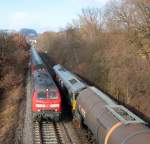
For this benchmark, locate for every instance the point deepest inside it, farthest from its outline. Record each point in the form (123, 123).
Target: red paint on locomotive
(40, 103)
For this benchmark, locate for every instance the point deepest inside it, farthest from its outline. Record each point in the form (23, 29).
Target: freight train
(46, 98)
(109, 122)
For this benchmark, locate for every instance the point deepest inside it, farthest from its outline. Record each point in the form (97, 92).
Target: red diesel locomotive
(46, 98)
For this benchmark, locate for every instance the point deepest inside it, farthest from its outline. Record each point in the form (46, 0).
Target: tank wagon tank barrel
(109, 122)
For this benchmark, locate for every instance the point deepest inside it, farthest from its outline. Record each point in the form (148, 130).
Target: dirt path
(27, 131)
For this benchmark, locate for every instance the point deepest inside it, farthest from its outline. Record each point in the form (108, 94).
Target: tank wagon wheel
(88, 134)
(90, 137)
(77, 120)
(77, 123)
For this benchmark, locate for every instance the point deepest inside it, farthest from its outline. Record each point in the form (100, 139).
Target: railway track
(57, 133)
(61, 132)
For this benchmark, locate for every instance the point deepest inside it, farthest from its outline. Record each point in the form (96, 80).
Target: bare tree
(91, 21)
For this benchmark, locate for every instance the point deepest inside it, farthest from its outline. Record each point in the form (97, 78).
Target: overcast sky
(42, 15)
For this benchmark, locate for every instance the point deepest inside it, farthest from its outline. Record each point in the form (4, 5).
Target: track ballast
(58, 133)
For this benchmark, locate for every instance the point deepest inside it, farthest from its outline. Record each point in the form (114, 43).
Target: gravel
(27, 131)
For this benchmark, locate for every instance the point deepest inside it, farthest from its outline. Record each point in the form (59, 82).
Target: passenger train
(109, 122)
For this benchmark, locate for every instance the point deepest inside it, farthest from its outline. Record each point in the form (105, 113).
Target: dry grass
(9, 114)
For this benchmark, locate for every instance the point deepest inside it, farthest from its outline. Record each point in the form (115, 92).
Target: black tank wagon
(109, 122)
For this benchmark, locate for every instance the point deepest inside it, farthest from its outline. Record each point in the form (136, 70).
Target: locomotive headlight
(40, 105)
(54, 105)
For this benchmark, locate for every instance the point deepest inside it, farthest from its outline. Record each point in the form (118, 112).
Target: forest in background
(110, 47)
(14, 56)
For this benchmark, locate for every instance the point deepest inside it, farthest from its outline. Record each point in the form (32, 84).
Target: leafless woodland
(110, 47)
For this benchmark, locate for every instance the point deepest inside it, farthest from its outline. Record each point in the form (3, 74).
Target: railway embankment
(27, 124)
(13, 67)
(10, 115)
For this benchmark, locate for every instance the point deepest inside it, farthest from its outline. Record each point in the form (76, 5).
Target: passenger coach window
(41, 95)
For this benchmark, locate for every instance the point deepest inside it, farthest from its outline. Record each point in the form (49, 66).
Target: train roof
(43, 80)
(94, 97)
(103, 96)
(70, 80)
(36, 59)
(118, 110)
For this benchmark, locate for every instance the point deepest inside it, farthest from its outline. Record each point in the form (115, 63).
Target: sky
(42, 15)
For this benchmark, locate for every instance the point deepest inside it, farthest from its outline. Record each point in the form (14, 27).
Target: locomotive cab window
(52, 95)
(41, 95)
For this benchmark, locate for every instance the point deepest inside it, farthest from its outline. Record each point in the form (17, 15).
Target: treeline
(110, 47)
(14, 58)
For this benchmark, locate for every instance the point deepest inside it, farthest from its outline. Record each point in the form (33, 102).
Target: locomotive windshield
(47, 94)
(52, 95)
(41, 95)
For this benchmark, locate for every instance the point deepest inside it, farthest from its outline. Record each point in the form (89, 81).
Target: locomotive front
(46, 98)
